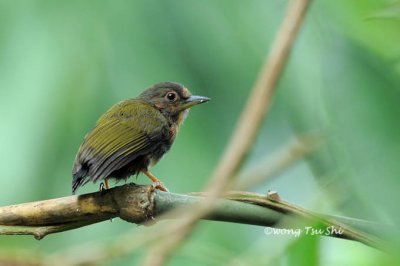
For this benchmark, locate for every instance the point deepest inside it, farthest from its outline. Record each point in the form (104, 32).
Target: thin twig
(41, 231)
(246, 130)
(338, 223)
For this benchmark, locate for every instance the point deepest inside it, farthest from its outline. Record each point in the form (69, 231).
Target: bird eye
(171, 96)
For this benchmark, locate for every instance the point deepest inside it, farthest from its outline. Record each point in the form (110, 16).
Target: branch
(139, 204)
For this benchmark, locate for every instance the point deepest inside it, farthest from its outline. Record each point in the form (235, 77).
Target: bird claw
(159, 185)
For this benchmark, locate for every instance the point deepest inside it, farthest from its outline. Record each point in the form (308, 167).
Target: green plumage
(132, 135)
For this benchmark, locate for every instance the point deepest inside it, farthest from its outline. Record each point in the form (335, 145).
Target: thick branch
(130, 202)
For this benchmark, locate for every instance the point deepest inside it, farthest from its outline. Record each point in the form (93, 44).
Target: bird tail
(79, 174)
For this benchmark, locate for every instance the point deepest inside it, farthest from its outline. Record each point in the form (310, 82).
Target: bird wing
(123, 133)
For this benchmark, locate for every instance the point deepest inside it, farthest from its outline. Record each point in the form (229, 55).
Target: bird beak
(194, 100)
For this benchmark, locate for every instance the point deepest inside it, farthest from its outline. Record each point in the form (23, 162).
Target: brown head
(172, 99)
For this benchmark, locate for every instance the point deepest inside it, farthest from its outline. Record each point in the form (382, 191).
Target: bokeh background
(63, 63)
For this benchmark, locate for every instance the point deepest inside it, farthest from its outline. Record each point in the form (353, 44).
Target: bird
(133, 135)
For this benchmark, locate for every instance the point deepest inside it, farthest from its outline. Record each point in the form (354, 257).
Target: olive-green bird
(133, 135)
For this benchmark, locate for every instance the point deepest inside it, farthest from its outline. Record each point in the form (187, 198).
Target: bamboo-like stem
(246, 130)
(259, 100)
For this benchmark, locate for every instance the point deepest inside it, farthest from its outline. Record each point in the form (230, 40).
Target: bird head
(172, 99)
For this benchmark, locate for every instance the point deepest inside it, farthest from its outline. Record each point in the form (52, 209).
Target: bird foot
(159, 185)
(104, 185)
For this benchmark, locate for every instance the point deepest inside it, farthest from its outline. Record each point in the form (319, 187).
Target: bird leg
(156, 182)
(104, 185)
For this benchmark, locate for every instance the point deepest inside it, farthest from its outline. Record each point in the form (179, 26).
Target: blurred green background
(63, 63)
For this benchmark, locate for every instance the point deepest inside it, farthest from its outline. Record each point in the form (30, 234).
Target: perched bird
(133, 135)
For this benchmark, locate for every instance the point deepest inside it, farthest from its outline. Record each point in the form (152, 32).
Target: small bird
(133, 135)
